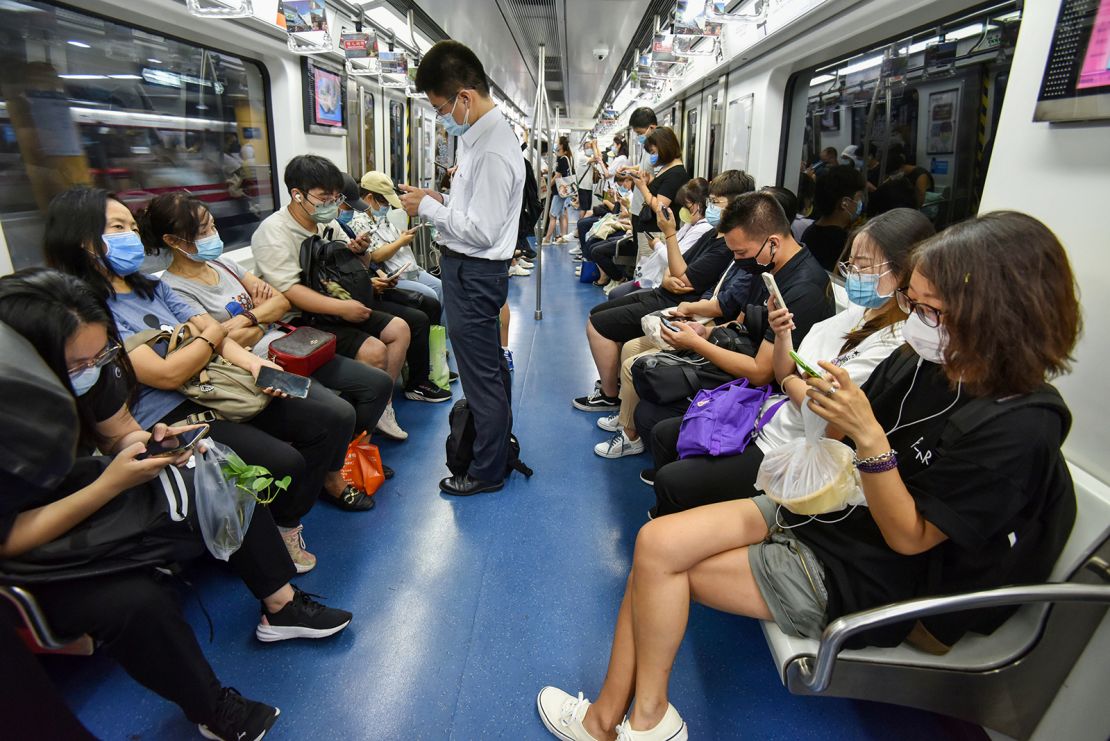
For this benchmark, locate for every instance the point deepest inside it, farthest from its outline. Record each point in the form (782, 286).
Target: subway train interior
(461, 609)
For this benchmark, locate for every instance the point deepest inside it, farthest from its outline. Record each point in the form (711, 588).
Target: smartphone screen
(666, 323)
(289, 383)
(178, 444)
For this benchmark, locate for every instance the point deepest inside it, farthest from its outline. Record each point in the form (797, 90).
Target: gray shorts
(790, 578)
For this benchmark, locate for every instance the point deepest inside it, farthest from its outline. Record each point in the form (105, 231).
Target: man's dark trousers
(474, 292)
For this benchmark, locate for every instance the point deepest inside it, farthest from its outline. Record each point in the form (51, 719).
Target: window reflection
(85, 100)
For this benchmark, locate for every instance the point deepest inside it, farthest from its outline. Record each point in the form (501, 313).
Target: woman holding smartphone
(126, 607)
(939, 517)
(94, 237)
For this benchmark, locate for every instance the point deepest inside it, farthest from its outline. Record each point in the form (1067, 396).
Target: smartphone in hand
(288, 383)
(808, 369)
(181, 442)
(773, 289)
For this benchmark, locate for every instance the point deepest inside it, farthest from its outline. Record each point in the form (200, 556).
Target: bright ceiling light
(83, 77)
(202, 107)
(152, 60)
(79, 44)
(126, 77)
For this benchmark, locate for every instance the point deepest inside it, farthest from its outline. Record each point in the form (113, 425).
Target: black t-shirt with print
(826, 243)
(968, 492)
(664, 184)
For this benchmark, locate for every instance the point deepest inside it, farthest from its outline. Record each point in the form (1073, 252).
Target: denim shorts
(790, 578)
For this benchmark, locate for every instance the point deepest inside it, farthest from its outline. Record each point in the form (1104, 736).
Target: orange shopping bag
(363, 466)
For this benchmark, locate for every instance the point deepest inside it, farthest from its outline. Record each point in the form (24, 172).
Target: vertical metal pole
(540, 120)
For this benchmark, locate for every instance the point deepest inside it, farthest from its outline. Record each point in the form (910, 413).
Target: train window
(691, 140)
(87, 100)
(368, 160)
(917, 114)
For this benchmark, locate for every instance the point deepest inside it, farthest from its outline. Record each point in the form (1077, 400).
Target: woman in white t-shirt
(857, 340)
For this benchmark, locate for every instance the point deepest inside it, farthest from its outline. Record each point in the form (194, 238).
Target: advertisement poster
(303, 16)
(360, 45)
(329, 98)
(942, 122)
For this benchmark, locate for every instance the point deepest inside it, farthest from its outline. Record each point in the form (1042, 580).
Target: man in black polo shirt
(755, 228)
(613, 323)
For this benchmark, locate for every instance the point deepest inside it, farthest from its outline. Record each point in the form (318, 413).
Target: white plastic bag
(813, 475)
(224, 509)
(651, 269)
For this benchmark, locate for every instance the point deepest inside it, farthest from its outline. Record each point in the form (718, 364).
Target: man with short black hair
(755, 229)
(478, 227)
(643, 122)
(376, 338)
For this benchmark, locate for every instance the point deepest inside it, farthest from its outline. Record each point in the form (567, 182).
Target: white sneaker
(525, 264)
(671, 728)
(610, 423)
(388, 426)
(562, 714)
(578, 272)
(517, 270)
(574, 250)
(619, 446)
(608, 288)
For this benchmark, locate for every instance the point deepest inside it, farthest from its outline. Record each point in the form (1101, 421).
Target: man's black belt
(448, 252)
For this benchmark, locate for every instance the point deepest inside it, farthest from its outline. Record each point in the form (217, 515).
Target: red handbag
(303, 350)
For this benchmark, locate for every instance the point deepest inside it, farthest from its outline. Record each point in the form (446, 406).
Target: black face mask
(752, 264)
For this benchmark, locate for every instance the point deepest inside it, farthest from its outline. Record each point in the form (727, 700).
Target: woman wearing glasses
(93, 540)
(857, 339)
(94, 237)
(937, 517)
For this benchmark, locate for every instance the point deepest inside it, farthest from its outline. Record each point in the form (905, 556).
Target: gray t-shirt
(220, 300)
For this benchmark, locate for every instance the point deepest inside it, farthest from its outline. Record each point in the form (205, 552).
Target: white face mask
(928, 342)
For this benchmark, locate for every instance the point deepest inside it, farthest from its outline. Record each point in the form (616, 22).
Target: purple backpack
(722, 421)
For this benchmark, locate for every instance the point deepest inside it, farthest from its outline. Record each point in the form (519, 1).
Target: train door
(361, 129)
(691, 131)
(715, 106)
(396, 136)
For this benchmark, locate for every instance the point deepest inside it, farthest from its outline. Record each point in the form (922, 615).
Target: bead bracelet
(878, 463)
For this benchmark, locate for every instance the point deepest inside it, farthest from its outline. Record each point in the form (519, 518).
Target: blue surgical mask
(863, 290)
(209, 248)
(859, 209)
(345, 217)
(653, 158)
(125, 252)
(623, 192)
(453, 127)
(713, 213)
(381, 213)
(641, 139)
(84, 379)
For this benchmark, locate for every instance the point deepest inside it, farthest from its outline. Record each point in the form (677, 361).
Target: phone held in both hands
(181, 442)
(808, 369)
(666, 322)
(773, 289)
(288, 383)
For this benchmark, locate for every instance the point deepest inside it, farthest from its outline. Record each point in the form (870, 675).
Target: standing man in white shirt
(477, 226)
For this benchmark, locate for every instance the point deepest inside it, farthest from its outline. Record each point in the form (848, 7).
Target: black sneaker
(427, 391)
(239, 719)
(597, 402)
(452, 376)
(304, 617)
(648, 476)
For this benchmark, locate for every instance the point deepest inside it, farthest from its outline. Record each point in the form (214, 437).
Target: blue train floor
(465, 608)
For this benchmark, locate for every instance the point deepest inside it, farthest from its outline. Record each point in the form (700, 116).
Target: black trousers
(304, 439)
(603, 253)
(648, 414)
(584, 225)
(689, 483)
(418, 356)
(419, 301)
(619, 319)
(366, 389)
(474, 292)
(138, 620)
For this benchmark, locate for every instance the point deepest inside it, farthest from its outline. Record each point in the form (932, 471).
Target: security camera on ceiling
(601, 53)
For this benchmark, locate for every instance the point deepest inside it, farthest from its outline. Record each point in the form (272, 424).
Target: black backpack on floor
(460, 443)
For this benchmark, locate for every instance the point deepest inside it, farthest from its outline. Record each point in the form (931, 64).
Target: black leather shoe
(387, 472)
(351, 500)
(464, 486)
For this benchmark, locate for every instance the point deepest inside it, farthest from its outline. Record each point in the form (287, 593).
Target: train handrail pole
(541, 118)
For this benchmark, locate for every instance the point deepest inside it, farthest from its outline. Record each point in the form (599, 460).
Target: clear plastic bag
(224, 509)
(813, 475)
